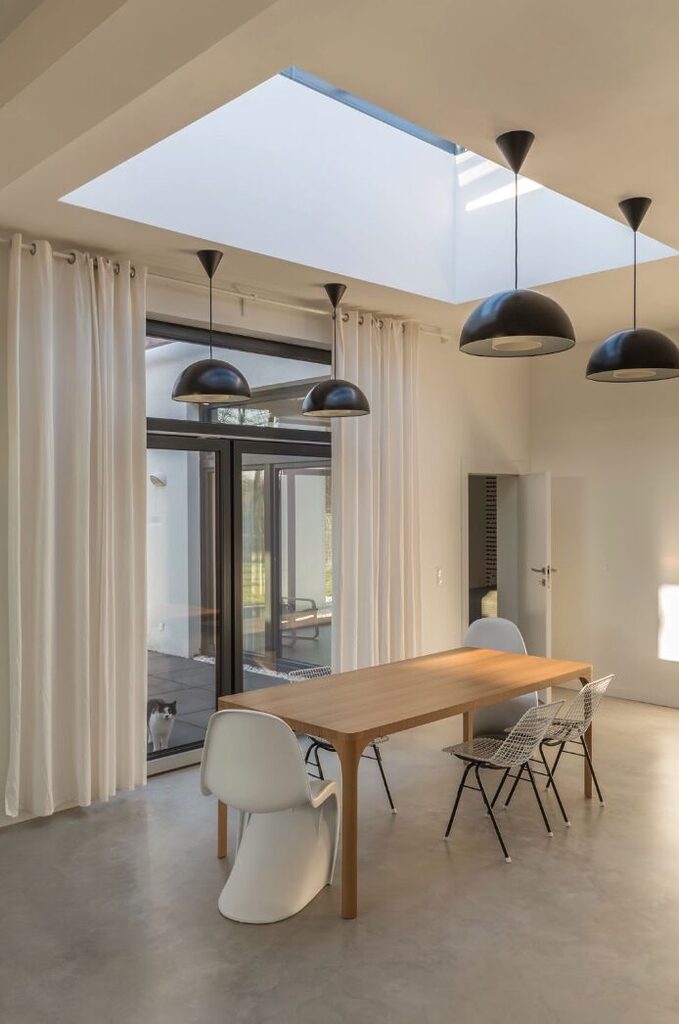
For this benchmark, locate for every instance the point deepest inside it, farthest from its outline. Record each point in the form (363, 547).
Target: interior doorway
(507, 553)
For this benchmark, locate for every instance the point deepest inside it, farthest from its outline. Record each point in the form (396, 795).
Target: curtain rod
(254, 297)
(249, 296)
(70, 257)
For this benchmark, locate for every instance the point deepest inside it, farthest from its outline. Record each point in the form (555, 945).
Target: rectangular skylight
(302, 171)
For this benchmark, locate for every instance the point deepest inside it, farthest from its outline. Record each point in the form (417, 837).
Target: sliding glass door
(184, 593)
(283, 543)
(239, 570)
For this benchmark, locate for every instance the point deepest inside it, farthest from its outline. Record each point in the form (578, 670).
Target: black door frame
(241, 447)
(229, 445)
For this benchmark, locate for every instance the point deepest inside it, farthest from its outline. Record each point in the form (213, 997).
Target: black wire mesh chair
(498, 754)
(316, 672)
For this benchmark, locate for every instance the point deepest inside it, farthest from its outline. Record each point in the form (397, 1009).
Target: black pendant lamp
(211, 381)
(517, 322)
(639, 354)
(335, 397)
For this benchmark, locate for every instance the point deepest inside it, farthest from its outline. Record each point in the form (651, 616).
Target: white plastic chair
(288, 843)
(498, 635)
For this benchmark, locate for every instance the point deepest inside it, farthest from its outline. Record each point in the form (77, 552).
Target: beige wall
(4, 608)
(474, 417)
(613, 451)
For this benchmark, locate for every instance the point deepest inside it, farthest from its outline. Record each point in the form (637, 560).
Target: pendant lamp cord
(634, 303)
(516, 230)
(333, 356)
(210, 290)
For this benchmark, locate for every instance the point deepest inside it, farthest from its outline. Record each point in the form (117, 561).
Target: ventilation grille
(491, 531)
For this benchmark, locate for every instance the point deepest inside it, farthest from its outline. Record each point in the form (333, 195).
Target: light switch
(439, 577)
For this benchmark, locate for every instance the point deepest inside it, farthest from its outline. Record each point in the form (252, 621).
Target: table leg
(349, 756)
(221, 829)
(468, 726)
(587, 782)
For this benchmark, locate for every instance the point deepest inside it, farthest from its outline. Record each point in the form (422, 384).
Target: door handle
(545, 571)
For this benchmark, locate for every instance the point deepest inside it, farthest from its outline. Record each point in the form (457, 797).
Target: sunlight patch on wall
(668, 622)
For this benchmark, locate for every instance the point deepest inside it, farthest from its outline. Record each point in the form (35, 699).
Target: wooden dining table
(351, 709)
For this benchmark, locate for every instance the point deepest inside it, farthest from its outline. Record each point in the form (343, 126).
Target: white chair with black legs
(290, 823)
(316, 744)
(496, 754)
(498, 635)
(571, 727)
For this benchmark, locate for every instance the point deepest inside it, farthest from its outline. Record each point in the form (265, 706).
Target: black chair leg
(499, 788)
(458, 798)
(516, 782)
(318, 764)
(552, 783)
(492, 816)
(537, 797)
(378, 758)
(591, 768)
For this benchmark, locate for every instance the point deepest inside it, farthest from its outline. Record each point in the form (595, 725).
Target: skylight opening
(371, 110)
(501, 195)
(304, 172)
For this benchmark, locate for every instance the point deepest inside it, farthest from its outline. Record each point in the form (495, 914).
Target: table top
(370, 702)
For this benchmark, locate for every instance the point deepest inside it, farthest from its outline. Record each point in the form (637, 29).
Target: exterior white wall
(171, 566)
(612, 452)
(310, 538)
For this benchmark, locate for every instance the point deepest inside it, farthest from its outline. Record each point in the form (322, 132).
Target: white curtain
(77, 526)
(376, 585)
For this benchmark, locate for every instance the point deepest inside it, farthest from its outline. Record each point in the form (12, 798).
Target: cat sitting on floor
(160, 716)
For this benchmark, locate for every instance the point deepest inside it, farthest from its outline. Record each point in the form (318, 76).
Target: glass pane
(287, 566)
(278, 386)
(182, 604)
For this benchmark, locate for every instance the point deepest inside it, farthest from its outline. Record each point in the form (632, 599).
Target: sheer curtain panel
(376, 584)
(77, 595)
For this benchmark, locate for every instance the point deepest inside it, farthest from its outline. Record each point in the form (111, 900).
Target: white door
(534, 568)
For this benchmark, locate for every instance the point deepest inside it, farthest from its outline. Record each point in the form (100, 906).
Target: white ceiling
(597, 83)
(13, 12)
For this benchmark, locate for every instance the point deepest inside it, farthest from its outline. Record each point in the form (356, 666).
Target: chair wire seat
(571, 727)
(318, 743)
(515, 750)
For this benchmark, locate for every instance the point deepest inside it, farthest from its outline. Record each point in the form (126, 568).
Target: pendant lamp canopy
(638, 353)
(335, 397)
(211, 381)
(518, 322)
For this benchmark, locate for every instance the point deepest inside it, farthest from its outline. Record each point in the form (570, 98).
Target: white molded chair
(499, 635)
(288, 843)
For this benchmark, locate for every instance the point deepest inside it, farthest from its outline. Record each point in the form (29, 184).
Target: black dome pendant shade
(335, 397)
(518, 322)
(211, 381)
(640, 353)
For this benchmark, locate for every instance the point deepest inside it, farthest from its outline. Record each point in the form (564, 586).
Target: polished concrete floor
(110, 914)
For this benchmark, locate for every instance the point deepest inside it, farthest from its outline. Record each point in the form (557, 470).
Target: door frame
(254, 447)
(228, 444)
(477, 467)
